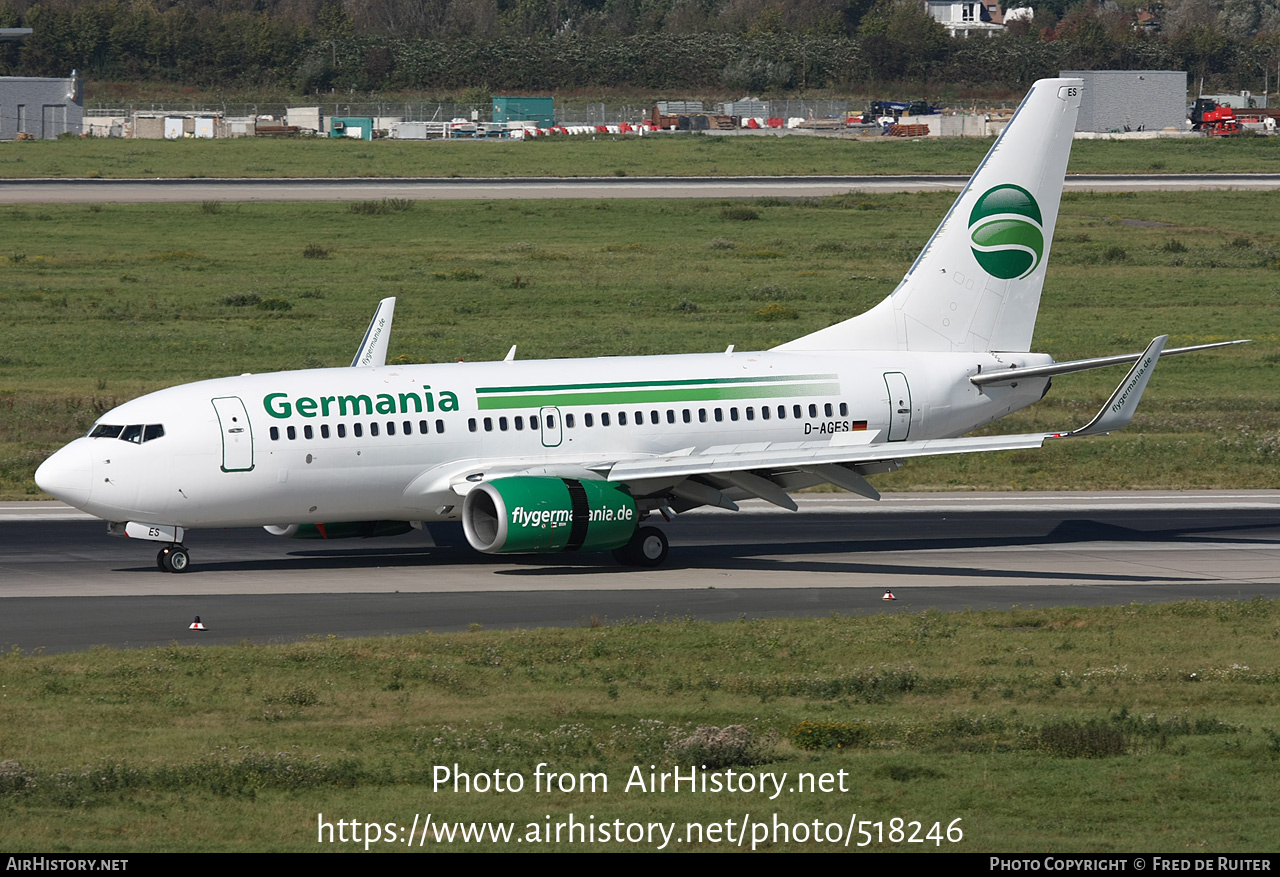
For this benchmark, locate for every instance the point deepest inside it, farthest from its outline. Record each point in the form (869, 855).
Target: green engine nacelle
(527, 514)
(342, 530)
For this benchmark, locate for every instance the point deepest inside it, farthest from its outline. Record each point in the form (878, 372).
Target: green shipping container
(359, 127)
(538, 110)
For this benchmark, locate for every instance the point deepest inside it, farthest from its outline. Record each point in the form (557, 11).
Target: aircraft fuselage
(403, 442)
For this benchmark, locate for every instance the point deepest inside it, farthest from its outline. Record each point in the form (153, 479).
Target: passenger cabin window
(588, 420)
(342, 430)
(275, 433)
(568, 421)
(308, 432)
(604, 418)
(373, 430)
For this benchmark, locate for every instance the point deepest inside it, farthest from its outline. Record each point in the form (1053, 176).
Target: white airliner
(573, 455)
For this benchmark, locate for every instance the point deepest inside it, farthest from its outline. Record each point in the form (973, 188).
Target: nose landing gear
(173, 558)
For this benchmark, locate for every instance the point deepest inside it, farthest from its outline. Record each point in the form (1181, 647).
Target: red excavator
(1218, 120)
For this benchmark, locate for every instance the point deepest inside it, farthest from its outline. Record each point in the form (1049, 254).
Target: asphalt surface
(66, 586)
(362, 189)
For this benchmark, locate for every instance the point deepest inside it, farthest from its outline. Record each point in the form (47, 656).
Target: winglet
(373, 349)
(1119, 409)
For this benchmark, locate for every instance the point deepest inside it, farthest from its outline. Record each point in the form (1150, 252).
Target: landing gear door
(237, 434)
(549, 422)
(899, 406)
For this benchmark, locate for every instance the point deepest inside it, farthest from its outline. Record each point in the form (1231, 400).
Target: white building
(965, 17)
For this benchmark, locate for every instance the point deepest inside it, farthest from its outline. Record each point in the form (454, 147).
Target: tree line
(724, 46)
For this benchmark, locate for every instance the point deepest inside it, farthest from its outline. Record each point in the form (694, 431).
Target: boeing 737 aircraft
(575, 455)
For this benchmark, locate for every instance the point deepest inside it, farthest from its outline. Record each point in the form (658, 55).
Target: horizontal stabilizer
(1008, 376)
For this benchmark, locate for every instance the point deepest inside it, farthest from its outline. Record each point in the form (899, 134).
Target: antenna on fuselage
(373, 349)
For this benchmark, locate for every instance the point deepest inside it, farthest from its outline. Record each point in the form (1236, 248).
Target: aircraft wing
(750, 467)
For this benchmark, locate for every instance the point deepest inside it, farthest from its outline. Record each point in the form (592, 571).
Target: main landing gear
(173, 558)
(648, 547)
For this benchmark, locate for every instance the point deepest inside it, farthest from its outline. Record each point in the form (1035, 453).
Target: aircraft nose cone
(68, 474)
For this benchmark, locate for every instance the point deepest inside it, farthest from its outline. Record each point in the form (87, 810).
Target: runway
(55, 191)
(66, 586)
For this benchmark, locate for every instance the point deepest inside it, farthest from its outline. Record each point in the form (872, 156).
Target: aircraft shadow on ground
(773, 556)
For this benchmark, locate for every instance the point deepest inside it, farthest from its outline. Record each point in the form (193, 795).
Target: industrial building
(36, 108)
(1131, 100)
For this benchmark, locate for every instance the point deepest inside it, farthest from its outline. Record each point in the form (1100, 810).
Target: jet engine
(526, 514)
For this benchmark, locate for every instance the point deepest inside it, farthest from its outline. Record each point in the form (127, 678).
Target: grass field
(1134, 728)
(604, 156)
(104, 302)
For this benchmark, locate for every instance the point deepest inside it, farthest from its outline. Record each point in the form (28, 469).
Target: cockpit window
(136, 433)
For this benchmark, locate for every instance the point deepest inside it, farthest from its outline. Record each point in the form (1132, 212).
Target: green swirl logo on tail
(1007, 232)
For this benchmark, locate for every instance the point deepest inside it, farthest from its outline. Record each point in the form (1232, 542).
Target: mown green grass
(100, 303)
(1130, 728)
(602, 156)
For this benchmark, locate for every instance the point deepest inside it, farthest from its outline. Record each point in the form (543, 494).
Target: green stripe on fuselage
(618, 385)
(682, 394)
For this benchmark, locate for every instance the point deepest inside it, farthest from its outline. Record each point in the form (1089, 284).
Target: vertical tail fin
(976, 284)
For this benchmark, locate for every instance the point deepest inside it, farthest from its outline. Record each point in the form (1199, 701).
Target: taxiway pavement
(65, 585)
(54, 191)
